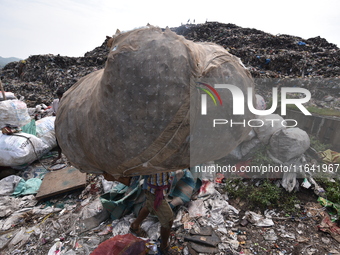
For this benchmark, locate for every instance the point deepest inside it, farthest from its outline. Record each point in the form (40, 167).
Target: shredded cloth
(159, 195)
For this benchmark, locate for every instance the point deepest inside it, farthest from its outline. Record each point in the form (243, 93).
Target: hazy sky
(73, 27)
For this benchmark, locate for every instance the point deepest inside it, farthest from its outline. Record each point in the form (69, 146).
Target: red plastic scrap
(330, 227)
(122, 245)
(219, 178)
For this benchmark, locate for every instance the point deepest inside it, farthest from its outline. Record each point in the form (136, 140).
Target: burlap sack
(133, 117)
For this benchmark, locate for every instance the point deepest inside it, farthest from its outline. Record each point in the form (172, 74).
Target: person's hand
(124, 180)
(109, 177)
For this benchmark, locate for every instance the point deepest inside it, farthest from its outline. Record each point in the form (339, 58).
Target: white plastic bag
(20, 148)
(267, 125)
(289, 143)
(8, 95)
(8, 184)
(14, 112)
(45, 131)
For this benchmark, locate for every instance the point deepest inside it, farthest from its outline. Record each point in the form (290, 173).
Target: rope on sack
(35, 152)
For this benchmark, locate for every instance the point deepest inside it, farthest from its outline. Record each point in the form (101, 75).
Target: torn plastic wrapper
(196, 208)
(258, 220)
(152, 227)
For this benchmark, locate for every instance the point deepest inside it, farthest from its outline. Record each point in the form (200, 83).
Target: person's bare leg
(165, 234)
(59, 155)
(143, 213)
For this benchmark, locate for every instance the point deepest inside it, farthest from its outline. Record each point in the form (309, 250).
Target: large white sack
(289, 143)
(142, 114)
(17, 150)
(14, 112)
(8, 95)
(244, 150)
(45, 131)
(271, 124)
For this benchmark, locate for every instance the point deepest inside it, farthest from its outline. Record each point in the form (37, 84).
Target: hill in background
(5, 61)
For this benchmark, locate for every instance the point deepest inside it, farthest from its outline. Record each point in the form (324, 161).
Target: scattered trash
(270, 235)
(289, 181)
(204, 243)
(306, 184)
(334, 209)
(329, 156)
(196, 208)
(31, 186)
(8, 184)
(258, 220)
(330, 227)
(207, 189)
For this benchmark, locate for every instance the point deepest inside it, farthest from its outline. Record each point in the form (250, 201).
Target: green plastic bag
(122, 200)
(334, 207)
(31, 186)
(30, 128)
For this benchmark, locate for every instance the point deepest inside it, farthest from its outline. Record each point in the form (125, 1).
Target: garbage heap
(264, 54)
(268, 55)
(37, 77)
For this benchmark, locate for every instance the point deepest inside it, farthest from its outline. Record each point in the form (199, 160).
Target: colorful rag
(159, 195)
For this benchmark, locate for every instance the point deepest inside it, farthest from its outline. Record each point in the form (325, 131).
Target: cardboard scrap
(57, 182)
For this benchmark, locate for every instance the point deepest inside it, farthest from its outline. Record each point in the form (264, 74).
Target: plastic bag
(271, 124)
(21, 148)
(196, 208)
(13, 112)
(133, 98)
(289, 143)
(8, 95)
(258, 220)
(8, 184)
(121, 245)
(45, 131)
(31, 186)
(207, 189)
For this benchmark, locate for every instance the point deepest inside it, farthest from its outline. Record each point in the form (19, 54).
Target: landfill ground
(29, 226)
(60, 224)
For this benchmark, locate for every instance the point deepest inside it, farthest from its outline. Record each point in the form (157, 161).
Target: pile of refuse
(265, 55)
(37, 77)
(268, 55)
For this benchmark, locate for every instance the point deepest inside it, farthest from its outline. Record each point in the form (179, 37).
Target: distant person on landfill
(156, 187)
(55, 106)
(55, 103)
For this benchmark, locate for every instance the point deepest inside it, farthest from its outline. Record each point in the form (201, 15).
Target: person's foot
(167, 251)
(137, 231)
(55, 160)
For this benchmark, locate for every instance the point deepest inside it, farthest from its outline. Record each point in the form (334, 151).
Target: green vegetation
(332, 189)
(317, 145)
(261, 157)
(264, 196)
